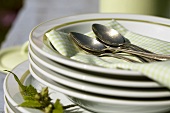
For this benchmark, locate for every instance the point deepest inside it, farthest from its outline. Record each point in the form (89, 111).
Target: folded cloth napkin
(158, 71)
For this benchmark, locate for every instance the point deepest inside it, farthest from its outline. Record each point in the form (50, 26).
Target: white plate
(98, 103)
(146, 25)
(140, 82)
(11, 109)
(5, 109)
(12, 91)
(40, 70)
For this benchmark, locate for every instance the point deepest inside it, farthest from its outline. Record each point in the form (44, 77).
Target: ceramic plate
(11, 109)
(12, 92)
(40, 70)
(98, 103)
(7, 56)
(5, 109)
(146, 25)
(136, 82)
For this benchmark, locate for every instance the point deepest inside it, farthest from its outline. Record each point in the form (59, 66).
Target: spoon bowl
(87, 43)
(111, 37)
(108, 36)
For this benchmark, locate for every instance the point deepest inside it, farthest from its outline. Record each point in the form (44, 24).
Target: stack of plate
(94, 88)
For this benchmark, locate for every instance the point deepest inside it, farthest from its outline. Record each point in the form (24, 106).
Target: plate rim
(98, 90)
(95, 98)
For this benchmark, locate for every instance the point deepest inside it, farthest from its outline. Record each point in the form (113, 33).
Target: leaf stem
(16, 78)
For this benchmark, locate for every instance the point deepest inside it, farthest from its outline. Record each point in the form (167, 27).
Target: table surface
(35, 12)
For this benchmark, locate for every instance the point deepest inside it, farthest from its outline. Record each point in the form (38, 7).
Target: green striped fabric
(158, 71)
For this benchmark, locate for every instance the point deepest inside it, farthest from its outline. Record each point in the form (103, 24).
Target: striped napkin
(158, 71)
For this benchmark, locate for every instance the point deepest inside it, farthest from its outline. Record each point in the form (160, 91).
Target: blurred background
(8, 12)
(25, 14)
(146, 7)
(19, 17)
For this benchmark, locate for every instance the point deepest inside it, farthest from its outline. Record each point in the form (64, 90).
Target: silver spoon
(113, 38)
(93, 45)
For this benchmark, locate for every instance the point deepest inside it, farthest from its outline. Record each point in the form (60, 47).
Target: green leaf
(58, 108)
(57, 111)
(17, 79)
(44, 92)
(41, 100)
(48, 109)
(31, 104)
(29, 98)
(26, 90)
(29, 91)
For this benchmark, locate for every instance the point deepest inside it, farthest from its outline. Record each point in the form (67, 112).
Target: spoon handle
(119, 57)
(139, 53)
(135, 47)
